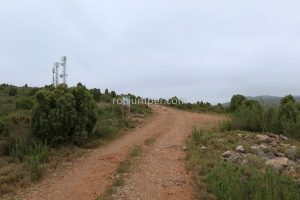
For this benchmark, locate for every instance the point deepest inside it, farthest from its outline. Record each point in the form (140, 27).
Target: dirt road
(161, 172)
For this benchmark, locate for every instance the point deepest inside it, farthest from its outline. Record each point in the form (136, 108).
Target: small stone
(203, 147)
(184, 148)
(283, 137)
(263, 146)
(267, 156)
(273, 144)
(227, 154)
(278, 163)
(240, 135)
(263, 138)
(256, 150)
(291, 153)
(244, 162)
(235, 157)
(240, 149)
(278, 154)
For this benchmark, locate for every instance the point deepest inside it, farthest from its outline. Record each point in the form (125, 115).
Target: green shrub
(96, 93)
(12, 91)
(64, 115)
(229, 181)
(24, 103)
(6, 108)
(4, 127)
(140, 109)
(225, 126)
(270, 122)
(22, 148)
(34, 168)
(236, 102)
(248, 116)
(20, 117)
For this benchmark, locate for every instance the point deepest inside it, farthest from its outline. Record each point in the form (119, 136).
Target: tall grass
(229, 181)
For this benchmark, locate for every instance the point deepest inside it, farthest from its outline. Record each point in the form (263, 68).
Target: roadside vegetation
(253, 155)
(199, 106)
(250, 115)
(42, 127)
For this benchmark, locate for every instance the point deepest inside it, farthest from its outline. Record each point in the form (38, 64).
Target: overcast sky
(195, 49)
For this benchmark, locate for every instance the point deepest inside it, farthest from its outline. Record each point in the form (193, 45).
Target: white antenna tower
(53, 75)
(64, 72)
(56, 72)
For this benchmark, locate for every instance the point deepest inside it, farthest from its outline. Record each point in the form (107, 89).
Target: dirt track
(161, 173)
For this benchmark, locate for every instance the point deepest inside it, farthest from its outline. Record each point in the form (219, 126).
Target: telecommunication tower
(53, 75)
(64, 71)
(56, 74)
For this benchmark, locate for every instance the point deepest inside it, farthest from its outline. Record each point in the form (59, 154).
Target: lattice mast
(53, 75)
(56, 72)
(64, 71)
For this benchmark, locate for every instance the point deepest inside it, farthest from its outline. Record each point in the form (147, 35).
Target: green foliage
(6, 108)
(64, 115)
(140, 109)
(24, 103)
(38, 156)
(19, 117)
(194, 107)
(251, 116)
(236, 101)
(4, 127)
(12, 91)
(230, 181)
(270, 122)
(225, 126)
(34, 168)
(248, 116)
(113, 94)
(287, 99)
(22, 147)
(96, 94)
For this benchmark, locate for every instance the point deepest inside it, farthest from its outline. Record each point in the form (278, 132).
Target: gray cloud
(199, 50)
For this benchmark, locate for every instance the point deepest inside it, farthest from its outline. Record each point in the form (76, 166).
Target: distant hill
(267, 99)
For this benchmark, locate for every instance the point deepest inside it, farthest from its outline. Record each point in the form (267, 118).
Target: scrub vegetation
(252, 155)
(42, 127)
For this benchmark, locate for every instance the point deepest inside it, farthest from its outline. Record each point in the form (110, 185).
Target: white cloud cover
(198, 50)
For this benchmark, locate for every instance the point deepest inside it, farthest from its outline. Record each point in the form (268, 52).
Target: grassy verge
(122, 172)
(218, 179)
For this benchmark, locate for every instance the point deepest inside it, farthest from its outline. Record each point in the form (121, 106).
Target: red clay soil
(161, 172)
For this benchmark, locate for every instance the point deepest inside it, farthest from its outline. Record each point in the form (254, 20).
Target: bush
(270, 121)
(24, 103)
(21, 148)
(6, 108)
(236, 102)
(225, 126)
(34, 168)
(4, 127)
(96, 94)
(64, 115)
(20, 117)
(12, 91)
(230, 181)
(248, 116)
(251, 116)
